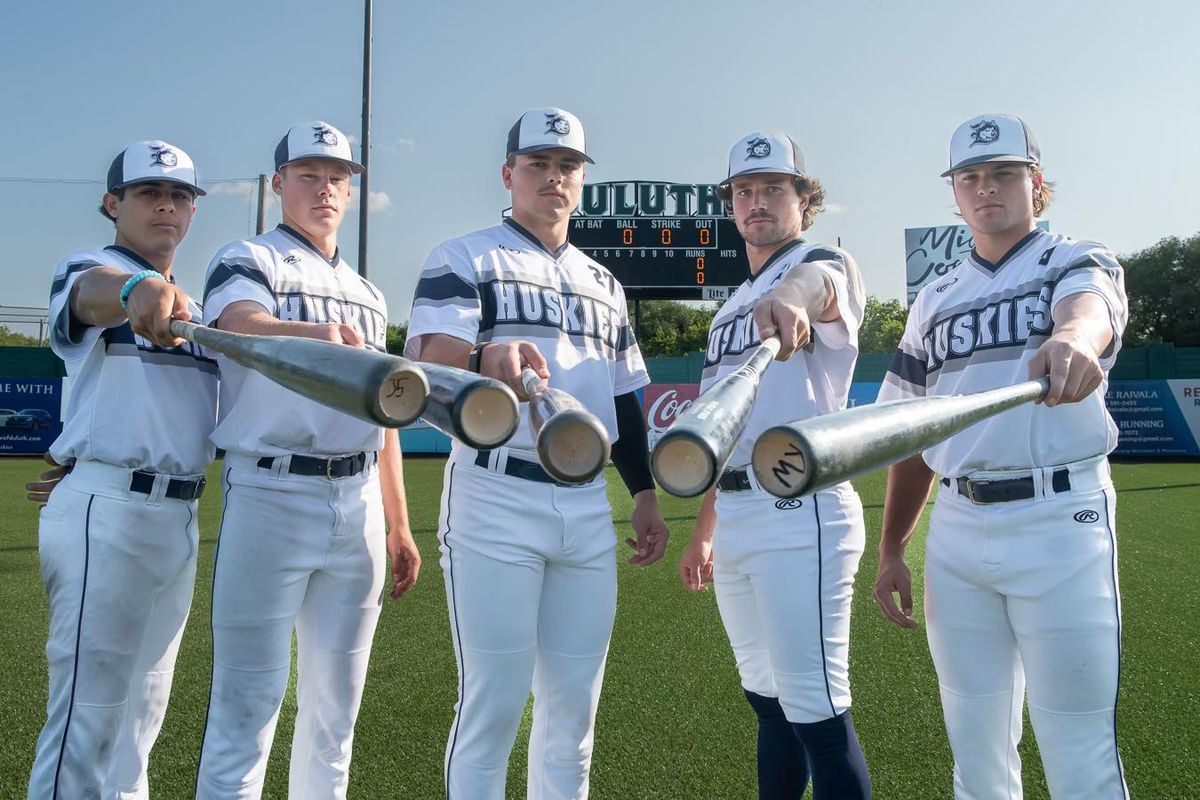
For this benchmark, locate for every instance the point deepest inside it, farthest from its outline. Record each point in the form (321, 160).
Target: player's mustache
(760, 215)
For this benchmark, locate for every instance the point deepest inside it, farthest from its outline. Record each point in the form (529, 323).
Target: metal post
(262, 204)
(364, 181)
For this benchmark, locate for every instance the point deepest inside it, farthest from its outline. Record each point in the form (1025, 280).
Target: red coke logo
(665, 402)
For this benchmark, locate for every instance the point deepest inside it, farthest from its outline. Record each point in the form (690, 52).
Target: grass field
(672, 721)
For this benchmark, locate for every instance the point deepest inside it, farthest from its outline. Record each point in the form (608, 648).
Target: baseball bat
(375, 387)
(572, 444)
(808, 455)
(479, 411)
(690, 456)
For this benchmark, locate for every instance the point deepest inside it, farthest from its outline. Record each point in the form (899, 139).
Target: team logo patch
(788, 503)
(163, 157)
(1087, 516)
(557, 123)
(323, 134)
(758, 148)
(984, 132)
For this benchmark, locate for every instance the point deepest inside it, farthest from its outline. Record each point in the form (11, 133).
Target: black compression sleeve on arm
(631, 452)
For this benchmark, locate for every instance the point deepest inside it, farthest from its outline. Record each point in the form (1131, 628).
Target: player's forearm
(96, 297)
(706, 517)
(391, 481)
(441, 348)
(807, 286)
(1083, 317)
(257, 322)
(908, 486)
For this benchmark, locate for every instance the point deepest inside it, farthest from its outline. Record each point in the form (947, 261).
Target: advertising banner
(30, 414)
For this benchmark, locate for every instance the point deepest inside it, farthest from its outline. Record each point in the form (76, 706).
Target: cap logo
(984, 132)
(758, 148)
(163, 157)
(557, 123)
(323, 134)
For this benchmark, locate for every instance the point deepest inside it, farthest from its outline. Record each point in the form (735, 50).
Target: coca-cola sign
(664, 402)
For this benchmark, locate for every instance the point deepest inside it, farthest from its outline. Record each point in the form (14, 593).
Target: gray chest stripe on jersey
(449, 286)
(160, 357)
(235, 269)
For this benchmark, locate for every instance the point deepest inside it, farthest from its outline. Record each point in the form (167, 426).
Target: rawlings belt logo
(1087, 517)
(788, 503)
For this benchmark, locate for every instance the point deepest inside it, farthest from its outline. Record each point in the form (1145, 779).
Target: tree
(11, 338)
(671, 328)
(1163, 286)
(883, 325)
(397, 335)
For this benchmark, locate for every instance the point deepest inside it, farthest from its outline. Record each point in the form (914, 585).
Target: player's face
(152, 218)
(766, 208)
(314, 193)
(545, 185)
(995, 198)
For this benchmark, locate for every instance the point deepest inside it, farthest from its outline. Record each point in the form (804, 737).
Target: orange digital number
(665, 236)
(699, 278)
(627, 236)
(705, 236)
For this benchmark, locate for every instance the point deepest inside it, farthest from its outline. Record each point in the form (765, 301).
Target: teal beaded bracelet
(133, 281)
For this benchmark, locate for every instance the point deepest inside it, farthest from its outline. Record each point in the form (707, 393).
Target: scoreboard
(661, 240)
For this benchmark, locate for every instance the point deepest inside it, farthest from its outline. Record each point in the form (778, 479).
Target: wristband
(134, 281)
(475, 357)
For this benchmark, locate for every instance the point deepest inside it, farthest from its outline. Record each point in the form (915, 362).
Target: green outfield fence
(1157, 362)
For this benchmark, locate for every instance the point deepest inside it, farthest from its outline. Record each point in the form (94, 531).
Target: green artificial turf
(672, 722)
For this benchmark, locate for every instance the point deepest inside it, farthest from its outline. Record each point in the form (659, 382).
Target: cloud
(406, 144)
(835, 209)
(379, 201)
(240, 188)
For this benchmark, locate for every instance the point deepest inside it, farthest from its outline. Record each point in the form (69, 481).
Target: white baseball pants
(119, 567)
(532, 590)
(1022, 597)
(784, 573)
(302, 552)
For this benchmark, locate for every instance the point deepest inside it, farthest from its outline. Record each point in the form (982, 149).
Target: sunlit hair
(1044, 193)
(805, 185)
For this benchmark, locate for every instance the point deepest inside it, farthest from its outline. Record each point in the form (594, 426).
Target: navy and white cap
(152, 161)
(765, 151)
(992, 137)
(315, 140)
(546, 129)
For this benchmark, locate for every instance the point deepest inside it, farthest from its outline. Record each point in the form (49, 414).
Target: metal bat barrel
(689, 457)
(375, 387)
(809, 455)
(477, 410)
(572, 444)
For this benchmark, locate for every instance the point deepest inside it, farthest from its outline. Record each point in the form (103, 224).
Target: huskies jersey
(815, 380)
(131, 403)
(289, 277)
(977, 327)
(501, 283)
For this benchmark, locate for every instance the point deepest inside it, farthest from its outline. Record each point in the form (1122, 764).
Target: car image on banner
(30, 415)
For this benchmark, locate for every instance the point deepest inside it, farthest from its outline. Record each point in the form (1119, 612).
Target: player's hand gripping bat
(572, 444)
(375, 387)
(689, 457)
(809, 455)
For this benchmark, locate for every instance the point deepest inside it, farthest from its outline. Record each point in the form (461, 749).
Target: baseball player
(784, 570)
(1021, 558)
(118, 537)
(528, 563)
(314, 498)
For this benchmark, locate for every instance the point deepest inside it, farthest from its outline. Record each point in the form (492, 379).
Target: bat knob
(573, 446)
(487, 415)
(780, 463)
(402, 395)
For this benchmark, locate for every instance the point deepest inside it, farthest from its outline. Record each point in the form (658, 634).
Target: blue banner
(30, 414)
(1156, 418)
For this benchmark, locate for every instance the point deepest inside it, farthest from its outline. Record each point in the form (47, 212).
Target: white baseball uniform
(529, 565)
(1021, 582)
(118, 541)
(302, 540)
(784, 570)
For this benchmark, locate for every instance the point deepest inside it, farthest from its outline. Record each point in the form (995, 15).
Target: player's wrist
(132, 283)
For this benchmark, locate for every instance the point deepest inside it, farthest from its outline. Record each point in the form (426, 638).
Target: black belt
(734, 480)
(984, 492)
(520, 468)
(177, 488)
(335, 467)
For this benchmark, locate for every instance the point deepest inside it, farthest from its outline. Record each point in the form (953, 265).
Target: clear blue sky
(871, 90)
